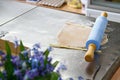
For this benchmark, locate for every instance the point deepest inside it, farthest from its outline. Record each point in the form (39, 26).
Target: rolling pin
(95, 37)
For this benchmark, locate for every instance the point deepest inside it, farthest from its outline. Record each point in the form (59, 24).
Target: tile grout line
(19, 15)
(3, 33)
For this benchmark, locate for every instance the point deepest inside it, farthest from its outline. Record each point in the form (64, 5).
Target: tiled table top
(10, 9)
(42, 25)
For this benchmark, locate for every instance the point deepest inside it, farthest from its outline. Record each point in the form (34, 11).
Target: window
(111, 6)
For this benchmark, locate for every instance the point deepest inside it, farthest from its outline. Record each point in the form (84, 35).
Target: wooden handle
(89, 56)
(104, 14)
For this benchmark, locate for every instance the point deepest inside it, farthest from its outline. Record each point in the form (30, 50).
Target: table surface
(42, 25)
(7, 13)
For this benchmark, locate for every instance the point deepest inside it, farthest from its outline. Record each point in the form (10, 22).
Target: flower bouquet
(26, 64)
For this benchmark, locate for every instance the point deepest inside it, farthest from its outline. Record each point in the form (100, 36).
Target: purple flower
(17, 62)
(25, 52)
(50, 48)
(70, 78)
(35, 51)
(58, 70)
(34, 63)
(41, 66)
(41, 61)
(1, 64)
(27, 66)
(43, 73)
(4, 73)
(16, 42)
(49, 59)
(36, 46)
(18, 74)
(60, 78)
(35, 72)
(15, 59)
(49, 68)
(41, 58)
(63, 67)
(24, 65)
(13, 56)
(3, 57)
(80, 78)
(28, 75)
(31, 74)
(1, 53)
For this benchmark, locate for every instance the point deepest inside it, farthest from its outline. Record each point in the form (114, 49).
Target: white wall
(111, 16)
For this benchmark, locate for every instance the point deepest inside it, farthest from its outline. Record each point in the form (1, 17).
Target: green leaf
(28, 65)
(55, 63)
(54, 76)
(41, 78)
(46, 53)
(1, 76)
(8, 50)
(8, 64)
(45, 62)
(9, 69)
(21, 56)
(22, 48)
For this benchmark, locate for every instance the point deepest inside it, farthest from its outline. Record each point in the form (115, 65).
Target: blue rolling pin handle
(97, 32)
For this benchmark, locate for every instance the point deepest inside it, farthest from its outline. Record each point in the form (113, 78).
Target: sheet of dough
(74, 36)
